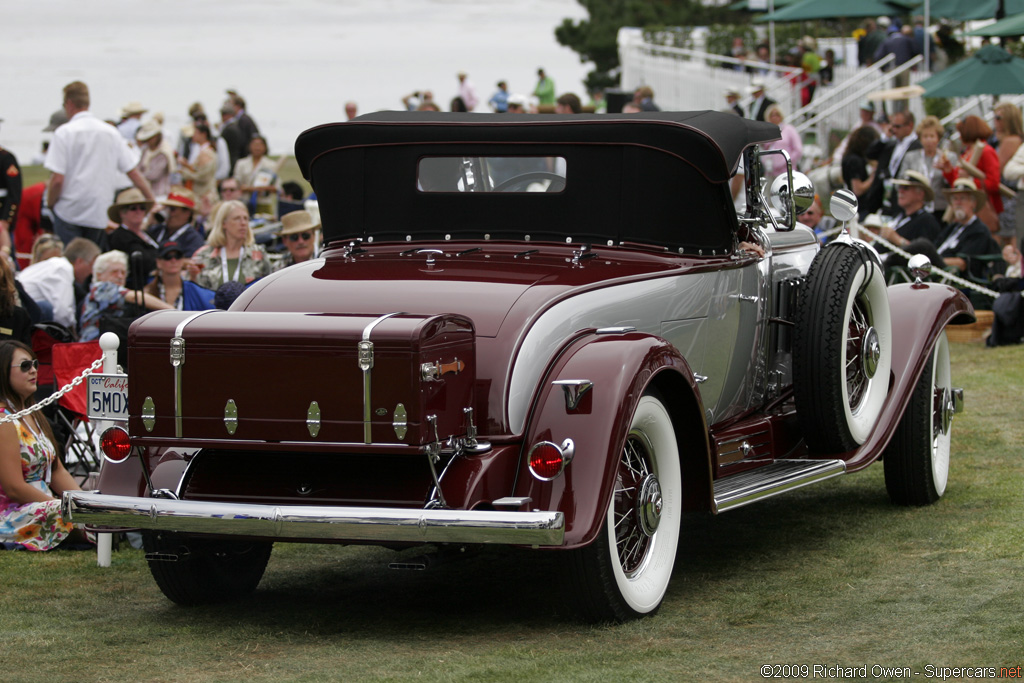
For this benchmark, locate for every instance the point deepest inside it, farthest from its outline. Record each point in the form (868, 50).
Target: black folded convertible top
(657, 178)
(712, 140)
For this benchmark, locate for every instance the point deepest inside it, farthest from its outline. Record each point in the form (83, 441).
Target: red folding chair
(81, 451)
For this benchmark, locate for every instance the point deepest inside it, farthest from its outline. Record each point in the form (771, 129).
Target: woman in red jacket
(973, 134)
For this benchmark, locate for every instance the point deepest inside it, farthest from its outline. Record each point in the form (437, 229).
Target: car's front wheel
(625, 572)
(917, 459)
(193, 571)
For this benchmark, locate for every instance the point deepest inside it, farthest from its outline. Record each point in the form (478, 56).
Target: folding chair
(78, 436)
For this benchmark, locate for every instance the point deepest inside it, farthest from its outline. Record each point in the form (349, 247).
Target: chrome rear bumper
(316, 522)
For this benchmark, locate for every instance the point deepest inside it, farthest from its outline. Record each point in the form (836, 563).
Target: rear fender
(920, 314)
(621, 369)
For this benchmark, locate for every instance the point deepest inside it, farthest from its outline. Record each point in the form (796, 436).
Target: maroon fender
(919, 315)
(621, 368)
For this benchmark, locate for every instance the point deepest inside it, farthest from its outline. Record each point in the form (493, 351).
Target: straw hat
(132, 195)
(917, 179)
(875, 220)
(150, 129)
(967, 186)
(132, 109)
(297, 221)
(180, 196)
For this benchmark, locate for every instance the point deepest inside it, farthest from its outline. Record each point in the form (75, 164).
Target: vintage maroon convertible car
(549, 332)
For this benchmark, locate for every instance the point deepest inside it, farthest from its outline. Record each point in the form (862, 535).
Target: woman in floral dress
(32, 478)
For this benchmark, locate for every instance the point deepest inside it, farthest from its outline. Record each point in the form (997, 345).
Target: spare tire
(842, 348)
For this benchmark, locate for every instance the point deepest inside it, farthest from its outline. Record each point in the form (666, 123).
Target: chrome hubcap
(946, 408)
(871, 352)
(649, 505)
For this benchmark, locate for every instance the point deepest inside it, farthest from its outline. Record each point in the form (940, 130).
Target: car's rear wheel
(842, 349)
(625, 572)
(917, 459)
(193, 571)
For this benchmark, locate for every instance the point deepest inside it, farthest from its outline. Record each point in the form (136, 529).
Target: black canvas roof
(656, 178)
(713, 141)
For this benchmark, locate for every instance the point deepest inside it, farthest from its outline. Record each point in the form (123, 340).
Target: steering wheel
(520, 182)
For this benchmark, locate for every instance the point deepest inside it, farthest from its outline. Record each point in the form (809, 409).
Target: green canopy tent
(989, 71)
(807, 10)
(1010, 26)
(969, 10)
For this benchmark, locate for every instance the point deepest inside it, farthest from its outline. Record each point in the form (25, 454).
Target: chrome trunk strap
(365, 359)
(177, 360)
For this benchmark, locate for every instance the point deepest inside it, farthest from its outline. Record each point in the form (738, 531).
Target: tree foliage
(594, 39)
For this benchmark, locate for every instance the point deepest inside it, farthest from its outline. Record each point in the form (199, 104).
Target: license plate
(108, 397)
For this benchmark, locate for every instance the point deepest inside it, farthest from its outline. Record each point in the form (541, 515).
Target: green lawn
(831, 575)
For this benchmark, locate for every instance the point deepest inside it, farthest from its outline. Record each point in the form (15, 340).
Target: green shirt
(545, 91)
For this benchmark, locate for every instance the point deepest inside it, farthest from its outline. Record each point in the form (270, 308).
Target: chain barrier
(55, 396)
(941, 273)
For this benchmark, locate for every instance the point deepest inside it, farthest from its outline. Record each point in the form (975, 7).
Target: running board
(771, 480)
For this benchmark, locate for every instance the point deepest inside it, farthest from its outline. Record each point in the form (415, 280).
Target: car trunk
(314, 381)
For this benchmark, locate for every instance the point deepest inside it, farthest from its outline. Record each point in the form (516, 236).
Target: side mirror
(920, 267)
(792, 198)
(843, 205)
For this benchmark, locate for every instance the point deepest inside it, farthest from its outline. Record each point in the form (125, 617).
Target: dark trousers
(68, 231)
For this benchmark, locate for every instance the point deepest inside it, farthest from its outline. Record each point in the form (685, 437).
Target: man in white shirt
(54, 280)
(89, 160)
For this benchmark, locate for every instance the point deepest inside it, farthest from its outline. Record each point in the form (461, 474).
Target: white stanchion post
(109, 343)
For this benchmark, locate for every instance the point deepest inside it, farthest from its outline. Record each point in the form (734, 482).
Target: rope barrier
(941, 273)
(55, 396)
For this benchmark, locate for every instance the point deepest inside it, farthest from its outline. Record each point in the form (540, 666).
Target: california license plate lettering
(108, 397)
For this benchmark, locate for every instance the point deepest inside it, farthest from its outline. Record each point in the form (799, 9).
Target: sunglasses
(173, 256)
(27, 365)
(295, 236)
(136, 207)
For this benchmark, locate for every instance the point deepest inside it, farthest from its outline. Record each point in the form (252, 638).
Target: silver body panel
(730, 307)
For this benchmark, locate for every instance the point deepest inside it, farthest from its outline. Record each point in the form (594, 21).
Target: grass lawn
(830, 575)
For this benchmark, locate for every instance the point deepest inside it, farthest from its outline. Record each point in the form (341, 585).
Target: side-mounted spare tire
(842, 348)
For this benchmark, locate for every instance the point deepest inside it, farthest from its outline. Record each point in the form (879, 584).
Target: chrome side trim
(545, 528)
(771, 480)
(365, 359)
(178, 360)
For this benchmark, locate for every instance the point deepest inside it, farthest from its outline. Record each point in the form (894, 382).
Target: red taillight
(546, 461)
(115, 444)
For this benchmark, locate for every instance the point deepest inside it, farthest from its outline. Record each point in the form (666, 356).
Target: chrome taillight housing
(548, 460)
(115, 444)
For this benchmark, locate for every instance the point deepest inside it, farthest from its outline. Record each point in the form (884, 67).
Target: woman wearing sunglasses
(129, 211)
(32, 478)
(171, 288)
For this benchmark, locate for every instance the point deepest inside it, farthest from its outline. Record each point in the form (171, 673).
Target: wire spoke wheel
(625, 572)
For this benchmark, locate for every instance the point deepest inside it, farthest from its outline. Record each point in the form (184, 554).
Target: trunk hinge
(178, 360)
(365, 360)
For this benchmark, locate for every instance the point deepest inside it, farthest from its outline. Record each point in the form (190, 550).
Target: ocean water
(295, 61)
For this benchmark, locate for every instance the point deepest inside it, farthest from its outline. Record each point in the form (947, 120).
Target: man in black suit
(913, 222)
(761, 101)
(965, 236)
